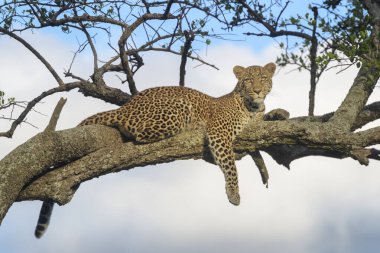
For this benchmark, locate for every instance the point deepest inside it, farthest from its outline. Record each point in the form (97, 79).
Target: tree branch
(93, 49)
(55, 116)
(123, 39)
(168, 6)
(272, 30)
(82, 18)
(313, 63)
(345, 116)
(105, 93)
(31, 104)
(364, 83)
(189, 37)
(82, 153)
(177, 53)
(369, 113)
(35, 52)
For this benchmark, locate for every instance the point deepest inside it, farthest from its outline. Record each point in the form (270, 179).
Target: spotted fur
(162, 112)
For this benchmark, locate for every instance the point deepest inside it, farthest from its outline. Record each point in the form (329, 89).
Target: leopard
(162, 112)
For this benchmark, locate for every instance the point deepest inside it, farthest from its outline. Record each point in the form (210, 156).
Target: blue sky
(321, 205)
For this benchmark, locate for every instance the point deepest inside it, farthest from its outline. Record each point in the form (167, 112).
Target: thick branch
(167, 10)
(58, 185)
(363, 85)
(55, 116)
(357, 97)
(83, 18)
(42, 152)
(105, 93)
(92, 151)
(369, 113)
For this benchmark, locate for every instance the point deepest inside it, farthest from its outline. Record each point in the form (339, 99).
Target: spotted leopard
(162, 112)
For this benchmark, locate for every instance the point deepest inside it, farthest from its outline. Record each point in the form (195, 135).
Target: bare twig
(24, 121)
(177, 53)
(93, 49)
(189, 37)
(272, 31)
(69, 74)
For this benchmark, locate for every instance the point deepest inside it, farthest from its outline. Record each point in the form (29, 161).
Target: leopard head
(254, 83)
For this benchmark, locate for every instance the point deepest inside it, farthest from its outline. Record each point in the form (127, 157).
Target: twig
(272, 30)
(177, 53)
(185, 51)
(24, 121)
(280, 14)
(90, 42)
(80, 49)
(93, 49)
(69, 74)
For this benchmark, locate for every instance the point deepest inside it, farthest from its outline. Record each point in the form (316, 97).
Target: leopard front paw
(277, 114)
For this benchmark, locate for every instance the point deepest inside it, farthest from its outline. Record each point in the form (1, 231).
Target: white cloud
(181, 206)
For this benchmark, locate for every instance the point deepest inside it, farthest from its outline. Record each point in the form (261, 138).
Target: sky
(321, 205)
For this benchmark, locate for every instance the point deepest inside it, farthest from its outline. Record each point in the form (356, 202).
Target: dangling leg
(221, 149)
(259, 161)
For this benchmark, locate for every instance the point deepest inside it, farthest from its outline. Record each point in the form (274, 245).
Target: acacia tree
(328, 35)
(63, 159)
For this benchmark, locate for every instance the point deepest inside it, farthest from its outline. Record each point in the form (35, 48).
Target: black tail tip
(40, 230)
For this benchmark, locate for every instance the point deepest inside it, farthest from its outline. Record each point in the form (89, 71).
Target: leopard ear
(238, 71)
(270, 67)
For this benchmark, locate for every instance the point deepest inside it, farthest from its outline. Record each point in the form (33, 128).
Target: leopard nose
(257, 89)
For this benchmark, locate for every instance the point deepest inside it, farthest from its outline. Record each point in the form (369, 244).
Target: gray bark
(51, 165)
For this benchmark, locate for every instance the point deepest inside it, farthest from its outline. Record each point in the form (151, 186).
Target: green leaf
(294, 21)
